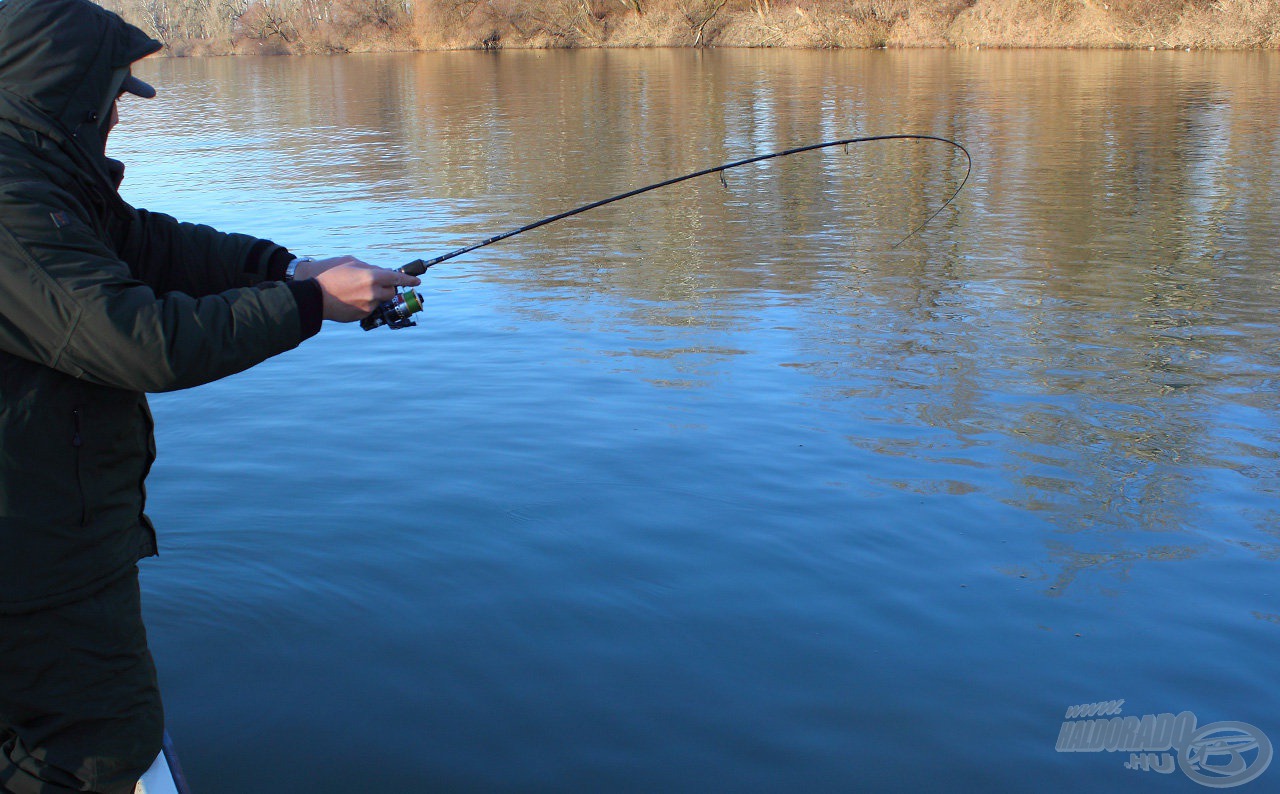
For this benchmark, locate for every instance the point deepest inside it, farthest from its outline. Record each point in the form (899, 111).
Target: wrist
(291, 271)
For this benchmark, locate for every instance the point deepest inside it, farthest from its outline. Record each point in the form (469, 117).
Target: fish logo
(1225, 754)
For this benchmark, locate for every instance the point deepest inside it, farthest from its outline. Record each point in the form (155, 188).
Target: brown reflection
(1269, 547)
(1070, 563)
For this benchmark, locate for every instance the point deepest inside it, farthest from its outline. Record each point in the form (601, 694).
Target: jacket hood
(64, 60)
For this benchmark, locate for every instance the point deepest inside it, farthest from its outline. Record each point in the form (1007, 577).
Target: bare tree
(266, 18)
(569, 21)
(700, 16)
(156, 18)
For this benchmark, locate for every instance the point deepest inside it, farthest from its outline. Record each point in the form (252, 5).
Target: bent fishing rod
(397, 312)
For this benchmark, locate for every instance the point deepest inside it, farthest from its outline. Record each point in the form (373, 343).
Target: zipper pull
(76, 440)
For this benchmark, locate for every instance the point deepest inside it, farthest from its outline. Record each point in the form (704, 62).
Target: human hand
(353, 289)
(315, 267)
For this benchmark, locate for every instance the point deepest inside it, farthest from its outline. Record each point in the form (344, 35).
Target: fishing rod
(397, 312)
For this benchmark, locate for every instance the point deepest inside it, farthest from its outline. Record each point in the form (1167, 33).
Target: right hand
(353, 289)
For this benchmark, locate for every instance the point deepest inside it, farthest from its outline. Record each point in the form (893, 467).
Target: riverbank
(203, 27)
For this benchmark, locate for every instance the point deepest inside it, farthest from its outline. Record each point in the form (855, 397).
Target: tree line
(195, 27)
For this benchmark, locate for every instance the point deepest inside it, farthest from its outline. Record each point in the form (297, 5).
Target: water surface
(715, 489)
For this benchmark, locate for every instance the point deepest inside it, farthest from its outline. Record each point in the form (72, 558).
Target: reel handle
(397, 313)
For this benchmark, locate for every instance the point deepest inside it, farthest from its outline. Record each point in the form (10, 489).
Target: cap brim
(136, 87)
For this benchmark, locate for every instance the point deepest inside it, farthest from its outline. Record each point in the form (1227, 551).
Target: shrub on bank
(192, 27)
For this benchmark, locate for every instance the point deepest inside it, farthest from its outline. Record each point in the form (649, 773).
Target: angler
(99, 303)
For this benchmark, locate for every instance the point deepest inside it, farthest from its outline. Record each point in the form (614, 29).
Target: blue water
(715, 489)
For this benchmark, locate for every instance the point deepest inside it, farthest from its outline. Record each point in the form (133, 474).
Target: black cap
(136, 87)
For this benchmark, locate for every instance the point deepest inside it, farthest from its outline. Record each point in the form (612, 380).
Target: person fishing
(100, 303)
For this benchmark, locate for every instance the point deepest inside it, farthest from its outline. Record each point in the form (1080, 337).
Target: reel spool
(395, 313)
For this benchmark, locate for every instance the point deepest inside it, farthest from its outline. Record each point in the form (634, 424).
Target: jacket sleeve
(69, 302)
(169, 255)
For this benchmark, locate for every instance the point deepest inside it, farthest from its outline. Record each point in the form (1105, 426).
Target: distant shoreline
(285, 27)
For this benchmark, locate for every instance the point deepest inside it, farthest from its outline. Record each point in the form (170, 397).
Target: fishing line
(396, 313)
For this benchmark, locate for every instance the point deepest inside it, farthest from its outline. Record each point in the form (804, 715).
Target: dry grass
(1027, 23)
(1232, 24)
(1200, 24)
(199, 27)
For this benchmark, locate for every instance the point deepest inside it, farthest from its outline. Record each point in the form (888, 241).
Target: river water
(716, 488)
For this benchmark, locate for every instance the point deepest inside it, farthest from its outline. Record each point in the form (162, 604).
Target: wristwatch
(293, 266)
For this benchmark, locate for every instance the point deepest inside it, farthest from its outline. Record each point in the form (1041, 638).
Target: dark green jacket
(99, 303)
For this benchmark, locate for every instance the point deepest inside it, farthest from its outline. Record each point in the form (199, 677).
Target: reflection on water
(1085, 342)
